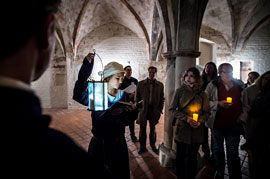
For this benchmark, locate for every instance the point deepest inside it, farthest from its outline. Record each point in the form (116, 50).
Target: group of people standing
(108, 144)
(203, 96)
(207, 98)
(31, 148)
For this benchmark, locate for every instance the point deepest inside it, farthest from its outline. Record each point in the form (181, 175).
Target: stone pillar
(166, 155)
(188, 22)
(184, 60)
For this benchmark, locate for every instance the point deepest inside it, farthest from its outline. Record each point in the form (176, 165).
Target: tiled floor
(77, 124)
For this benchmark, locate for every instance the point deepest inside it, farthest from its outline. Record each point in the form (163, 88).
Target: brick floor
(77, 124)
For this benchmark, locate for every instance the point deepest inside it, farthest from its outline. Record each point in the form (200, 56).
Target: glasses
(227, 72)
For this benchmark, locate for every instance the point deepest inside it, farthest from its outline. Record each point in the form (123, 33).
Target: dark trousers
(143, 125)
(231, 136)
(131, 129)
(205, 144)
(186, 160)
(132, 125)
(112, 153)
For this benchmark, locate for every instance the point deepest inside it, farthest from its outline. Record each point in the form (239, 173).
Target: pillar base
(166, 156)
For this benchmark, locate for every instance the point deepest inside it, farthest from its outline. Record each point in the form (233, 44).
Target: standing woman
(257, 125)
(209, 73)
(108, 144)
(189, 134)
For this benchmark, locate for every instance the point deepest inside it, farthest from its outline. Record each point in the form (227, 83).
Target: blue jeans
(231, 135)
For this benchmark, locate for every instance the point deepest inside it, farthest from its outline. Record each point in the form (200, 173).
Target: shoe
(142, 150)
(134, 139)
(154, 149)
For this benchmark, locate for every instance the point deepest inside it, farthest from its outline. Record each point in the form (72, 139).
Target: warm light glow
(194, 108)
(229, 100)
(195, 117)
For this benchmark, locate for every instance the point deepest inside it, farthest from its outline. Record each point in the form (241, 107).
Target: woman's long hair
(197, 76)
(259, 80)
(214, 75)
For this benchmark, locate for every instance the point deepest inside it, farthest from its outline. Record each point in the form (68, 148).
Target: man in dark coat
(151, 92)
(29, 148)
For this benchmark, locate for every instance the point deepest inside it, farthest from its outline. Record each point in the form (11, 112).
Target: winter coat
(200, 105)
(142, 93)
(30, 148)
(247, 97)
(108, 144)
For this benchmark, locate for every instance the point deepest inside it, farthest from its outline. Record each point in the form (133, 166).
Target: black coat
(29, 148)
(108, 144)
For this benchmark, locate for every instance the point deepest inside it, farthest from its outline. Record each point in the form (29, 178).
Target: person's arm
(80, 92)
(205, 109)
(210, 92)
(135, 81)
(245, 107)
(174, 107)
(137, 94)
(160, 108)
(119, 114)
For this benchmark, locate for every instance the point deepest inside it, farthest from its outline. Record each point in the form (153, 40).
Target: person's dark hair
(254, 74)
(214, 75)
(127, 67)
(196, 74)
(260, 79)
(21, 20)
(152, 67)
(222, 65)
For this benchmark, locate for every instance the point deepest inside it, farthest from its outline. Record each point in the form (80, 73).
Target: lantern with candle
(97, 92)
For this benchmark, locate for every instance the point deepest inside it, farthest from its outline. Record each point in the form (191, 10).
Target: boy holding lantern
(190, 109)
(224, 97)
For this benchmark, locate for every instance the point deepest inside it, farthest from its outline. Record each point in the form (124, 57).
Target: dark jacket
(142, 93)
(126, 82)
(258, 123)
(29, 148)
(200, 105)
(108, 144)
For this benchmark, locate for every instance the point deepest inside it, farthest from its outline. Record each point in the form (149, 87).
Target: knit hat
(112, 68)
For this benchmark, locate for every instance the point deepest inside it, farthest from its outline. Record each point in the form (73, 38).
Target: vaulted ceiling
(78, 20)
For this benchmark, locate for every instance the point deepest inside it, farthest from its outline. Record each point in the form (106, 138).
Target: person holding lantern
(224, 95)
(108, 144)
(190, 109)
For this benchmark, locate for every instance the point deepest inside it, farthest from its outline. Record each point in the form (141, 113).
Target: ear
(47, 32)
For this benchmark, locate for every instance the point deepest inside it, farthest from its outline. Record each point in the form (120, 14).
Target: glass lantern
(97, 94)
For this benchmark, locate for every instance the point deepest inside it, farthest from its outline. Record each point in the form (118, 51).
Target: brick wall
(258, 49)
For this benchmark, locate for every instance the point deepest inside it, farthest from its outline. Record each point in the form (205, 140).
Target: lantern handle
(101, 64)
